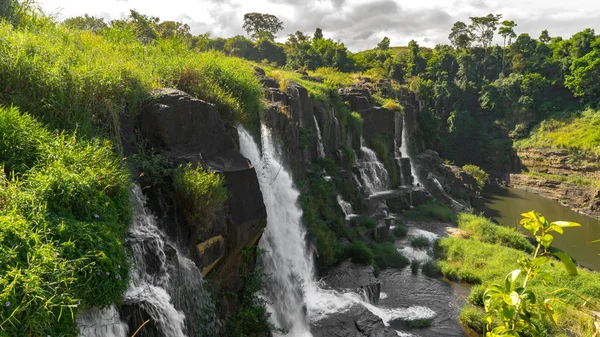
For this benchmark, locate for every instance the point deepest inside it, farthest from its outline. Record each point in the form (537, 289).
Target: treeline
(475, 98)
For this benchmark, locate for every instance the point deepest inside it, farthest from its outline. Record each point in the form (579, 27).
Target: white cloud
(359, 24)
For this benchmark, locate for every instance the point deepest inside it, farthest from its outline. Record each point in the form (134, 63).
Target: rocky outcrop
(562, 169)
(583, 199)
(356, 322)
(445, 182)
(358, 278)
(184, 130)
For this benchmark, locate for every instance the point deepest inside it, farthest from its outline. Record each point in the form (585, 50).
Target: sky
(359, 24)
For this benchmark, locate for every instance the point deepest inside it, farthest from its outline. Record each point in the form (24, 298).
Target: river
(505, 205)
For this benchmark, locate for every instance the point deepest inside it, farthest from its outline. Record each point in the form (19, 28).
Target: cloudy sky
(360, 24)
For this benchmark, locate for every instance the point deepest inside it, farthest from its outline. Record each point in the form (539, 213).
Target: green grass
(431, 211)
(63, 221)
(79, 80)
(200, 195)
(360, 253)
(387, 256)
(571, 179)
(482, 229)
(576, 132)
(483, 263)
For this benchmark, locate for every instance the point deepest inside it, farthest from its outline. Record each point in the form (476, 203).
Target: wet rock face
(359, 97)
(188, 130)
(357, 277)
(356, 322)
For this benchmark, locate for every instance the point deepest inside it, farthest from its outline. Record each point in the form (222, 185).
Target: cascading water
(406, 153)
(286, 256)
(346, 207)
(320, 146)
(374, 176)
(166, 285)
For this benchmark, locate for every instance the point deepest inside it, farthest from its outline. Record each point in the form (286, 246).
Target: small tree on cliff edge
(260, 26)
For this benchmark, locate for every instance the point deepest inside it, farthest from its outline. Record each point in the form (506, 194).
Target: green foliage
(473, 318)
(490, 263)
(482, 229)
(431, 211)
(77, 79)
(387, 256)
(360, 253)
(200, 195)
(62, 227)
(400, 231)
(259, 25)
(307, 137)
(517, 305)
(431, 269)
(363, 221)
(414, 266)
(479, 174)
(349, 157)
(578, 132)
(251, 317)
(420, 242)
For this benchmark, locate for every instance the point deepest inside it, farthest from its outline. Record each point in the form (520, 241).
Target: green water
(506, 204)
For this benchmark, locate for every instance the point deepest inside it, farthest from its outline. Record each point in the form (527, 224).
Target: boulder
(358, 97)
(355, 322)
(379, 122)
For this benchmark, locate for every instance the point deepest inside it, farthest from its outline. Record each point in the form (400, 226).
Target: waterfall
(320, 147)
(373, 173)
(406, 153)
(164, 284)
(287, 258)
(397, 158)
(346, 207)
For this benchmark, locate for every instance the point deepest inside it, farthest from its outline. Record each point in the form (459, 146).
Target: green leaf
(569, 264)
(595, 241)
(547, 277)
(513, 275)
(565, 224)
(557, 229)
(546, 240)
(508, 312)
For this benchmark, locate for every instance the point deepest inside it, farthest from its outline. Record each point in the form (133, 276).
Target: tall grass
(78, 79)
(576, 132)
(63, 221)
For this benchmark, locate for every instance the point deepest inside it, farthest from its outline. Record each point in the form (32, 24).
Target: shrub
(355, 123)
(62, 227)
(326, 242)
(431, 269)
(360, 253)
(473, 318)
(349, 156)
(476, 295)
(414, 266)
(393, 105)
(431, 211)
(479, 174)
(386, 256)
(364, 221)
(420, 242)
(200, 195)
(400, 231)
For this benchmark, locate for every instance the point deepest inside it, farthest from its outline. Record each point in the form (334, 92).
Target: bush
(482, 229)
(414, 266)
(393, 105)
(200, 195)
(420, 242)
(473, 318)
(476, 295)
(479, 174)
(387, 256)
(62, 227)
(431, 211)
(360, 253)
(364, 221)
(400, 231)
(431, 269)
(349, 156)
(326, 242)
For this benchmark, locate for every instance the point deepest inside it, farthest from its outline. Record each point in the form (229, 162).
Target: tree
(318, 34)
(384, 44)
(482, 28)
(545, 37)
(507, 31)
(86, 22)
(585, 73)
(171, 29)
(460, 35)
(259, 25)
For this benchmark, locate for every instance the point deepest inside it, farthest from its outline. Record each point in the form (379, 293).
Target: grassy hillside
(78, 79)
(578, 132)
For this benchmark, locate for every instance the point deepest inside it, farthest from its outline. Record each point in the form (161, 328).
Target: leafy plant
(420, 242)
(517, 306)
(479, 174)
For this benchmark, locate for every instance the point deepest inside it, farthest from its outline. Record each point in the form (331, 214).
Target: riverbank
(484, 253)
